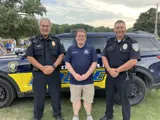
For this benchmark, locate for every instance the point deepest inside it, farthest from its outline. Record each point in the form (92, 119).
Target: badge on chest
(124, 47)
(53, 43)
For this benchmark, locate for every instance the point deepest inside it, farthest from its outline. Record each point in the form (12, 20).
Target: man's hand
(117, 71)
(113, 72)
(84, 76)
(47, 70)
(78, 77)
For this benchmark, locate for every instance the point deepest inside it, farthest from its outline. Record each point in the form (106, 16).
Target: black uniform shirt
(119, 53)
(45, 50)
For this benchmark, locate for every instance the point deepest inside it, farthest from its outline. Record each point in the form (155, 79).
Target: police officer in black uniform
(45, 55)
(119, 56)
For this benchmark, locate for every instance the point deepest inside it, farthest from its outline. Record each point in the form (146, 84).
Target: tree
(102, 29)
(17, 17)
(87, 28)
(146, 21)
(32, 7)
(17, 20)
(130, 30)
(66, 28)
(9, 21)
(53, 29)
(29, 26)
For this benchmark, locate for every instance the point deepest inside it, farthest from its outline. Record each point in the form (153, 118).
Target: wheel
(7, 93)
(139, 92)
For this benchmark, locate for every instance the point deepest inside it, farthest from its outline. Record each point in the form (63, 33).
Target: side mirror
(22, 57)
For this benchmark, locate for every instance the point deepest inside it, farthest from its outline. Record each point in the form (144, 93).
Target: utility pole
(156, 21)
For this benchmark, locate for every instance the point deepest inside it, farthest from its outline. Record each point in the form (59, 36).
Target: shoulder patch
(135, 46)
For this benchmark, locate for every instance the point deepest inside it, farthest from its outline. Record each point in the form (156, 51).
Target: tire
(7, 93)
(139, 92)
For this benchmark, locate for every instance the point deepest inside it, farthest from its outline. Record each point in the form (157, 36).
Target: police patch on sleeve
(135, 46)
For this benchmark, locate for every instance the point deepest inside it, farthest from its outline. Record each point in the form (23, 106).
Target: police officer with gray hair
(119, 57)
(45, 55)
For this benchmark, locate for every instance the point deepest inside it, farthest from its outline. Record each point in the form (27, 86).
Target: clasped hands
(47, 69)
(113, 72)
(79, 77)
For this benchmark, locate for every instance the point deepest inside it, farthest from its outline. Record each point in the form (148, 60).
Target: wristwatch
(54, 66)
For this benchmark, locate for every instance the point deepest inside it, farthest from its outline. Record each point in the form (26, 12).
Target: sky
(96, 12)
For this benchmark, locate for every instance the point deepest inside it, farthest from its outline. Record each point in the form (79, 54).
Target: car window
(97, 42)
(156, 42)
(67, 42)
(146, 45)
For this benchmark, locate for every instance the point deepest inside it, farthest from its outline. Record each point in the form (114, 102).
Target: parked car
(19, 51)
(16, 77)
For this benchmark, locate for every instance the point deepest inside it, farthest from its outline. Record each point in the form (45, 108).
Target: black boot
(105, 118)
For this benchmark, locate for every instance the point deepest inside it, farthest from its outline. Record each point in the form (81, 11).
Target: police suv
(16, 77)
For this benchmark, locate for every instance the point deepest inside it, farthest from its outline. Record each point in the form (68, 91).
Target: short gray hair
(119, 21)
(45, 18)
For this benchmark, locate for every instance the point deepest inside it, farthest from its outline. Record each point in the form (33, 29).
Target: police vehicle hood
(8, 63)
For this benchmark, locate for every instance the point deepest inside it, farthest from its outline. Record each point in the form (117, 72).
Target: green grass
(22, 109)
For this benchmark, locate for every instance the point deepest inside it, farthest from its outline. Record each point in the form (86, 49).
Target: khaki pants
(85, 92)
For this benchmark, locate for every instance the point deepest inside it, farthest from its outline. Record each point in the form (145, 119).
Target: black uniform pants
(39, 88)
(122, 86)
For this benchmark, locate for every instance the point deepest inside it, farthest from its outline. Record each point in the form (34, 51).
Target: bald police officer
(46, 54)
(119, 56)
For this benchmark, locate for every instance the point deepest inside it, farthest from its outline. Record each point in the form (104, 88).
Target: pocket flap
(38, 47)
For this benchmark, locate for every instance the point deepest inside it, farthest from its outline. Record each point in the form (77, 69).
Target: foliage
(17, 17)
(146, 21)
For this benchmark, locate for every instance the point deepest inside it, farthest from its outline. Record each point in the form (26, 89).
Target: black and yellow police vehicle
(16, 74)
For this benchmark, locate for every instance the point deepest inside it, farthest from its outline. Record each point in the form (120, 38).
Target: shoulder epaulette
(131, 39)
(54, 37)
(111, 39)
(33, 39)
